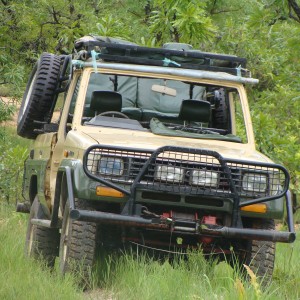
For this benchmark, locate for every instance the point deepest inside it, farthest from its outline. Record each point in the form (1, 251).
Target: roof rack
(122, 51)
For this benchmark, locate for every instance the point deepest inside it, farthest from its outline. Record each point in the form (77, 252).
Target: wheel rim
(30, 241)
(65, 238)
(22, 111)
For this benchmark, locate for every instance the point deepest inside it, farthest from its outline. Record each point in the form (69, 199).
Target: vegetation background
(266, 32)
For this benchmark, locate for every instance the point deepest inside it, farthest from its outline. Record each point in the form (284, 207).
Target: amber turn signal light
(257, 208)
(108, 192)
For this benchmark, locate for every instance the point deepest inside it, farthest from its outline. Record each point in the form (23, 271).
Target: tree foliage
(6, 112)
(264, 31)
(181, 21)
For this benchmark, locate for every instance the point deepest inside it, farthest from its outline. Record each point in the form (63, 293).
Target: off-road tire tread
(47, 71)
(82, 245)
(220, 113)
(45, 244)
(263, 252)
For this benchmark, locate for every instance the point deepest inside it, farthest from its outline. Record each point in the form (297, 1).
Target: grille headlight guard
(168, 173)
(275, 186)
(92, 162)
(204, 178)
(111, 166)
(254, 182)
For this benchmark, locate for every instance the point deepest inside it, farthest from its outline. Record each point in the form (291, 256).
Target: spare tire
(220, 115)
(39, 96)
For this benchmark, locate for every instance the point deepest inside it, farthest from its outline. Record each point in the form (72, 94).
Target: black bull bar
(129, 217)
(206, 230)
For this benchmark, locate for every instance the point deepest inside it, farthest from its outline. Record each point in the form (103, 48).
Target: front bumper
(230, 174)
(199, 230)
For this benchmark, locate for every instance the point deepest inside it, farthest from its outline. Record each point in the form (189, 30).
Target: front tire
(41, 242)
(78, 243)
(260, 255)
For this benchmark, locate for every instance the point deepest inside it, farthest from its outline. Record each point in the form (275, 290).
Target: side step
(41, 222)
(45, 223)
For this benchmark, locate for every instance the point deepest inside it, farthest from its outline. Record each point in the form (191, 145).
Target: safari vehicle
(154, 147)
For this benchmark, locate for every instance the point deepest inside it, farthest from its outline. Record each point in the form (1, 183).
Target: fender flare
(63, 184)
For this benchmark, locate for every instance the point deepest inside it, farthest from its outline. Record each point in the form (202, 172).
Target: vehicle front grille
(186, 171)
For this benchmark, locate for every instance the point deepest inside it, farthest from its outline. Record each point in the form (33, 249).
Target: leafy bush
(12, 75)
(6, 111)
(272, 52)
(13, 153)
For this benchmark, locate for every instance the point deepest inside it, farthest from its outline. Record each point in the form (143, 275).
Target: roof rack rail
(128, 52)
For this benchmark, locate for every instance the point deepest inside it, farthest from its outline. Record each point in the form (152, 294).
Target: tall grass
(20, 277)
(143, 278)
(134, 275)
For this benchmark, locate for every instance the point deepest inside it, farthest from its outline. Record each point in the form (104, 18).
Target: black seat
(103, 101)
(195, 111)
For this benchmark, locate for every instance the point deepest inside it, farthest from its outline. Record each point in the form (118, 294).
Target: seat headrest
(195, 111)
(103, 101)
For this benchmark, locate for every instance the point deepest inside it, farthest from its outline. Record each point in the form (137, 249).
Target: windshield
(164, 107)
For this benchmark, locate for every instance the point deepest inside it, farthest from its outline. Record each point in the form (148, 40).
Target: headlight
(111, 166)
(93, 161)
(274, 182)
(254, 182)
(169, 173)
(204, 178)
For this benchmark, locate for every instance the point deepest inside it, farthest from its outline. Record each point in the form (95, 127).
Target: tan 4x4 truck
(153, 146)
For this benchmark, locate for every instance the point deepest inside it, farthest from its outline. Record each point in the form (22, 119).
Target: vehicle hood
(149, 141)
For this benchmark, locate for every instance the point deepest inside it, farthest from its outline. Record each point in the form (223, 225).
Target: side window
(58, 109)
(74, 96)
(72, 105)
(239, 120)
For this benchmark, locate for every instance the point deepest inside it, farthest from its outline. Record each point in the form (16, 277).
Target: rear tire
(39, 96)
(41, 242)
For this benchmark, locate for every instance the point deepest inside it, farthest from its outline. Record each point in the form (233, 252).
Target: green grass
(136, 276)
(20, 277)
(9, 136)
(142, 278)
